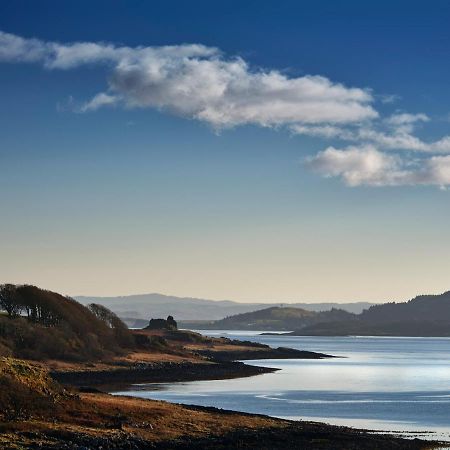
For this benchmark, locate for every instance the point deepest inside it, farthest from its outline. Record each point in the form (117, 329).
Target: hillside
(40, 324)
(274, 319)
(423, 307)
(25, 390)
(144, 306)
(425, 315)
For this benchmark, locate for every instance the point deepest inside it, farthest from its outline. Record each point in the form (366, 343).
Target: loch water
(392, 384)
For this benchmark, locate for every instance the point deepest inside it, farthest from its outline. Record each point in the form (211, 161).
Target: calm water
(391, 384)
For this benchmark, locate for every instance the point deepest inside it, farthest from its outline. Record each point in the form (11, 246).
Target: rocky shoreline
(214, 363)
(291, 435)
(159, 372)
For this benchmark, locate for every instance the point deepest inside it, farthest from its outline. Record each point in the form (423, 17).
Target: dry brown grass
(141, 356)
(155, 420)
(132, 357)
(103, 415)
(178, 351)
(220, 347)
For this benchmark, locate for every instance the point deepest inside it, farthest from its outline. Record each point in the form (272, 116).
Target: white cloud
(406, 118)
(397, 140)
(199, 82)
(17, 49)
(368, 166)
(435, 171)
(401, 138)
(442, 145)
(404, 123)
(355, 165)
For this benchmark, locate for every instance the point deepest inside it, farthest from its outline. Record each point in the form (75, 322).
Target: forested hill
(274, 318)
(422, 307)
(425, 315)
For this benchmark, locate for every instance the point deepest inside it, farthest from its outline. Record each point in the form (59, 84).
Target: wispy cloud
(200, 82)
(388, 98)
(98, 101)
(401, 119)
(392, 133)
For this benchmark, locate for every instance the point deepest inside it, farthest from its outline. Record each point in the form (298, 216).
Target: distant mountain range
(425, 315)
(148, 306)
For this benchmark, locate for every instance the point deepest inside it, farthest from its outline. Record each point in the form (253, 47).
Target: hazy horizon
(286, 302)
(202, 294)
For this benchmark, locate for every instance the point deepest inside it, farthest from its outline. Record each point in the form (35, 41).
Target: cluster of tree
(37, 305)
(9, 300)
(44, 324)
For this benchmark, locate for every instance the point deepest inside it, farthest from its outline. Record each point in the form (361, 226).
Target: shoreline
(163, 372)
(106, 421)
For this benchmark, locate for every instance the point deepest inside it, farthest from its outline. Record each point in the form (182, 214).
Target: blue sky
(114, 184)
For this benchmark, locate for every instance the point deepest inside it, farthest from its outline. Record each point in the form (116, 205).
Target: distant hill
(425, 315)
(146, 306)
(274, 319)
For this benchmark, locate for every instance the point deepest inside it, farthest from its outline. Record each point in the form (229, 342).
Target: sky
(254, 151)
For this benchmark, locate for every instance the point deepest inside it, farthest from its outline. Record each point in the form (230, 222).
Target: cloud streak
(392, 133)
(198, 82)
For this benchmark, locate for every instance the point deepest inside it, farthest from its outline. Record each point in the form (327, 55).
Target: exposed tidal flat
(385, 384)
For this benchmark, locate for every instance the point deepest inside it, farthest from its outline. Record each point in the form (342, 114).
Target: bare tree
(120, 330)
(102, 313)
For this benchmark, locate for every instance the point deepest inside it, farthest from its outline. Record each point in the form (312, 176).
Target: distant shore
(160, 372)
